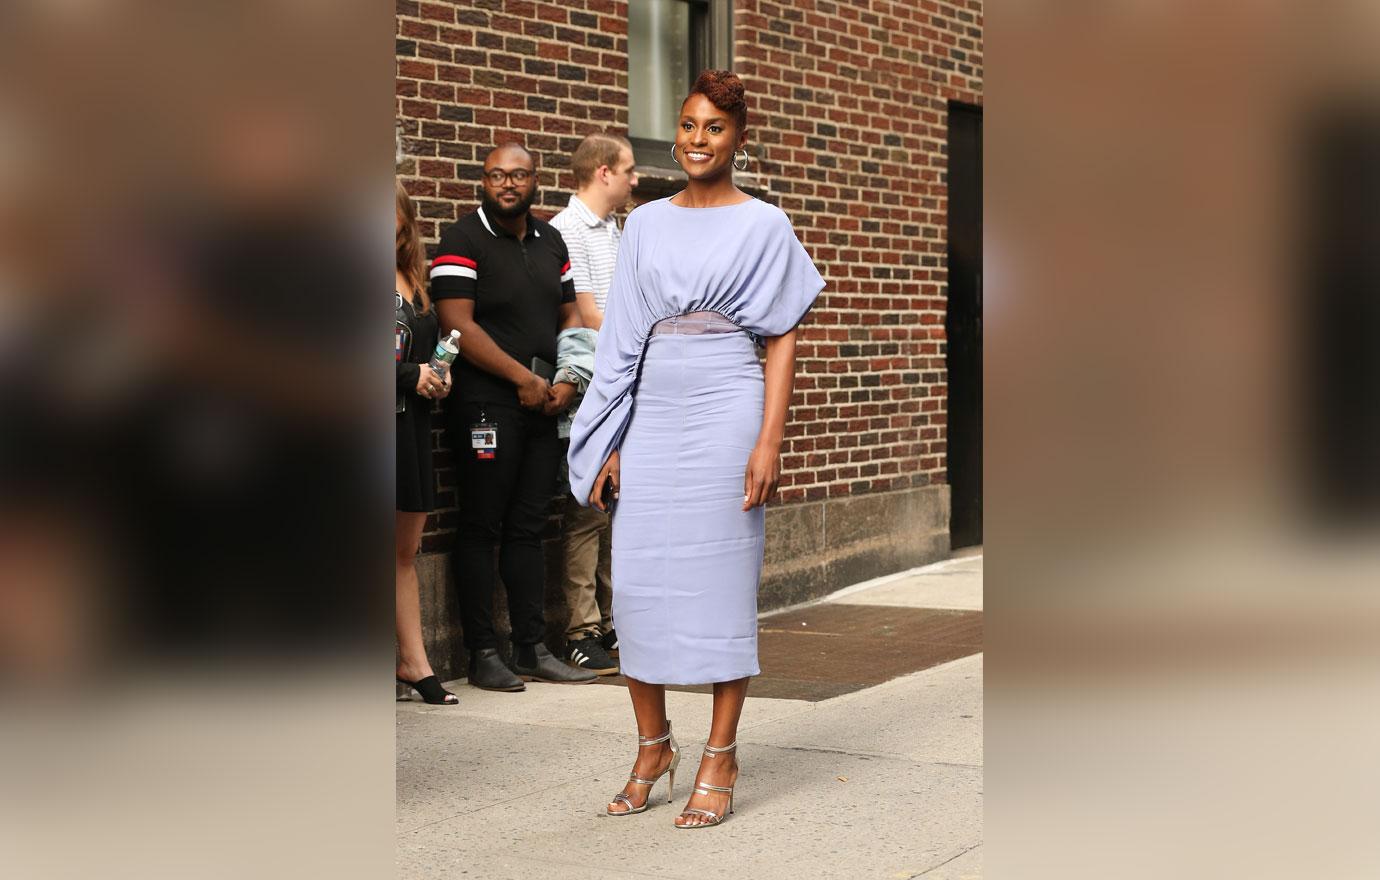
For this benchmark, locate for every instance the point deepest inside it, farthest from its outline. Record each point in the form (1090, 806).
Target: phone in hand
(544, 368)
(607, 496)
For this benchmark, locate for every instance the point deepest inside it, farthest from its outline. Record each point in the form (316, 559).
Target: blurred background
(195, 456)
(1183, 439)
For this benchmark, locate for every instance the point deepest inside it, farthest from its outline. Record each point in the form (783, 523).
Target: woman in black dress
(414, 342)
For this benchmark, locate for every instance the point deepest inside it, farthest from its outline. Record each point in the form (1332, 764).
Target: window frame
(711, 46)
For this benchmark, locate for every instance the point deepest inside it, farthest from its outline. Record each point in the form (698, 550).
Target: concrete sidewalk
(884, 782)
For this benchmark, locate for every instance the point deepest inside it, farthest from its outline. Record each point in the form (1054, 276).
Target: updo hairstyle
(724, 90)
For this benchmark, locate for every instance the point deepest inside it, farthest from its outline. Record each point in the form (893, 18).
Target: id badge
(398, 345)
(484, 440)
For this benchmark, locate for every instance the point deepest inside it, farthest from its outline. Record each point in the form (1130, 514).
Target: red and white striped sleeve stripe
(463, 267)
(566, 274)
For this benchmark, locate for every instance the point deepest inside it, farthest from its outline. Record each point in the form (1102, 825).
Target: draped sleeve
(745, 264)
(602, 418)
(782, 282)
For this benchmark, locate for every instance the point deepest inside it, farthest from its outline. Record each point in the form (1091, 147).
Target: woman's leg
(649, 705)
(407, 536)
(720, 769)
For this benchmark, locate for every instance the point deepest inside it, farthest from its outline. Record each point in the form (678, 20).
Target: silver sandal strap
(711, 750)
(625, 799)
(655, 741)
(710, 813)
(709, 788)
(640, 781)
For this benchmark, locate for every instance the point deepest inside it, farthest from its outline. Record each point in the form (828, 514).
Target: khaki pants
(588, 567)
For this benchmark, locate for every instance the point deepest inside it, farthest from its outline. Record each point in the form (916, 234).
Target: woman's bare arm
(764, 465)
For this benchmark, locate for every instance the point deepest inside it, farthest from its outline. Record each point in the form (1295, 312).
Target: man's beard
(494, 209)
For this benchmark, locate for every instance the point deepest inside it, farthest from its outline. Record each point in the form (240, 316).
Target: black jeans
(503, 503)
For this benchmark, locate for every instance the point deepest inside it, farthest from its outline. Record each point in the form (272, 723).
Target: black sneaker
(609, 642)
(589, 654)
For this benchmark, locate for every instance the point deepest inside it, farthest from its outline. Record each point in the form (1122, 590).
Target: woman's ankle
(722, 767)
(651, 759)
(414, 671)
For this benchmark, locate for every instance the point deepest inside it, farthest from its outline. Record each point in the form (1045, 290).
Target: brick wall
(474, 73)
(848, 109)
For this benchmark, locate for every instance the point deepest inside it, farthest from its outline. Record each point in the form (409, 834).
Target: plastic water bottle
(446, 350)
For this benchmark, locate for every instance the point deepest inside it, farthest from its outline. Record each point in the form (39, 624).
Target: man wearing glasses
(502, 278)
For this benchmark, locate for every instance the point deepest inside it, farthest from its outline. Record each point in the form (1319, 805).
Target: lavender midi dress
(678, 389)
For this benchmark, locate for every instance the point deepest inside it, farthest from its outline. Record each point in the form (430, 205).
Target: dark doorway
(1338, 407)
(964, 324)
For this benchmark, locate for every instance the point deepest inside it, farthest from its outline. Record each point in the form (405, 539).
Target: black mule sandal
(431, 691)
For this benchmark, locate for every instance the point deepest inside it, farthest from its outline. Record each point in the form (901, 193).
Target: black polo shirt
(517, 287)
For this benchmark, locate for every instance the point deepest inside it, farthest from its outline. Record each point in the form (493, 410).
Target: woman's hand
(608, 474)
(430, 385)
(763, 475)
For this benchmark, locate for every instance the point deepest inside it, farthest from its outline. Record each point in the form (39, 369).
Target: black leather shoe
(488, 672)
(536, 663)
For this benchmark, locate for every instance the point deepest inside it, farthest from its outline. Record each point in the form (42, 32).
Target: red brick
(440, 92)
(457, 192)
(417, 29)
(419, 109)
(438, 12)
(551, 12)
(435, 52)
(417, 69)
(452, 73)
(472, 97)
(436, 169)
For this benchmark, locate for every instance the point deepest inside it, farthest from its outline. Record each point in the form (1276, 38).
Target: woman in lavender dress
(683, 427)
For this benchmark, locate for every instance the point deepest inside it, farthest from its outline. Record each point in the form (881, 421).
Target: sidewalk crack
(945, 862)
(858, 754)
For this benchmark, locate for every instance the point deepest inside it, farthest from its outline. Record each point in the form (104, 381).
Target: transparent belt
(695, 324)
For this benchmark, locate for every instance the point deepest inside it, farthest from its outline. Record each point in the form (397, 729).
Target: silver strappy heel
(705, 788)
(633, 777)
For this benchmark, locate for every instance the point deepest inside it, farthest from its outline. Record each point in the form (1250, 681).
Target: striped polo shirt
(518, 288)
(593, 245)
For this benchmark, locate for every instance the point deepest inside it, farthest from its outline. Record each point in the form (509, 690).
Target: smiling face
(706, 139)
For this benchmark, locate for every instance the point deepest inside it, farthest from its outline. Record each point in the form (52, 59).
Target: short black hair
(512, 145)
